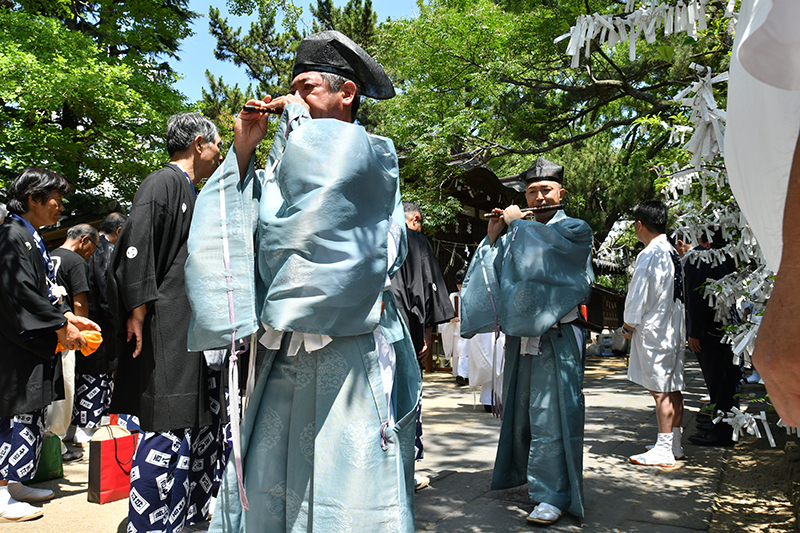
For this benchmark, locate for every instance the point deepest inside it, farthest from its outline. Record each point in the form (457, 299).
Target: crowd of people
(317, 254)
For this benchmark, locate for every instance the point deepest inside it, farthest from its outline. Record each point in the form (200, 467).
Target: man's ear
(197, 143)
(348, 90)
(561, 193)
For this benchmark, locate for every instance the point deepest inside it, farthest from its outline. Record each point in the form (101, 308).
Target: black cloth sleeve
(133, 263)
(24, 290)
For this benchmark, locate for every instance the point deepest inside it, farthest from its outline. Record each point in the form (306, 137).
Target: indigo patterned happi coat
(323, 449)
(526, 283)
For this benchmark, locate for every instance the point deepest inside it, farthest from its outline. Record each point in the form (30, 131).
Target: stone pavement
(460, 444)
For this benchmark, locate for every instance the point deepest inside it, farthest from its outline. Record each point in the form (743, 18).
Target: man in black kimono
(72, 274)
(722, 377)
(423, 301)
(419, 287)
(32, 321)
(170, 389)
(93, 371)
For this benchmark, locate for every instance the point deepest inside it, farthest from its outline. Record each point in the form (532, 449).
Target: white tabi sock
(15, 511)
(677, 434)
(677, 449)
(659, 455)
(664, 442)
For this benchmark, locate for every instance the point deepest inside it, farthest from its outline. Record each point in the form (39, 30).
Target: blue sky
(197, 52)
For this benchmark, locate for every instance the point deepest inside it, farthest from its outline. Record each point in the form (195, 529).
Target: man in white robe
(654, 322)
(486, 367)
(456, 348)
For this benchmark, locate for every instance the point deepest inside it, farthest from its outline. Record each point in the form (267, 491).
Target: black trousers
(722, 378)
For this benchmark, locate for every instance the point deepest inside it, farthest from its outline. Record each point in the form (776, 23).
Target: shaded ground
(756, 482)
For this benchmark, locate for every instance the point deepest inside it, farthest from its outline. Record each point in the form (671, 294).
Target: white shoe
(679, 453)
(14, 511)
(83, 435)
(654, 457)
(754, 377)
(21, 493)
(545, 514)
(420, 482)
(70, 433)
(212, 504)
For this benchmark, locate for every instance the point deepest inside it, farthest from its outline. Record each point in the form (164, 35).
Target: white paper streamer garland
(750, 286)
(688, 17)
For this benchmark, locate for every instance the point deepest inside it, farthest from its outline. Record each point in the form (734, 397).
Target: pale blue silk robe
(525, 284)
(323, 449)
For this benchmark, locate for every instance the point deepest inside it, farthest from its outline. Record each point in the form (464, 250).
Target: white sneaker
(654, 457)
(14, 511)
(678, 453)
(545, 514)
(21, 493)
(420, 482)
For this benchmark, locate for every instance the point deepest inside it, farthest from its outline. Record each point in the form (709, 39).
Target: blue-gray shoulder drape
(324, 218)
(535, 274)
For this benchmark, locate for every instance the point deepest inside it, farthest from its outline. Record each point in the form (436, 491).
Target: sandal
(545, 514)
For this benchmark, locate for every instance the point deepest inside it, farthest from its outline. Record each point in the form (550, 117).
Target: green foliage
(268, 9)
(617, 282)
(603, 183)
(266, 55)
(140, 27)
(440, 210)
(65, 103)
(481, 82)
(357, 20)
(222, 98)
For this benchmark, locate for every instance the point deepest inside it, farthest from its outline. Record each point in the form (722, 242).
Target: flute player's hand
(512, 213)
(249, 130)
(496, 225)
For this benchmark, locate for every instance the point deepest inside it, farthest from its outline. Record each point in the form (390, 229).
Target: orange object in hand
(93, 341)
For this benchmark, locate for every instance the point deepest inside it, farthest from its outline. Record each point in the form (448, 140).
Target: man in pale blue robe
(327, 441)
(529, 283)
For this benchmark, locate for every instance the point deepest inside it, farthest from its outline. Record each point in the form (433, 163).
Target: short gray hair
(335, 83)
(76, 232)
(184, 127)
(409, 208)
(112, 221)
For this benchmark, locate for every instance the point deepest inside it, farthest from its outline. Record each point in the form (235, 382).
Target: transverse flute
(260, 109)
(531, 210)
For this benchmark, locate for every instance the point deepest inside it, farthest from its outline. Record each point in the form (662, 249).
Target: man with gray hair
(93, 371)
(170, 389)
(421, 303)
(327, 438)
(72, 274)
